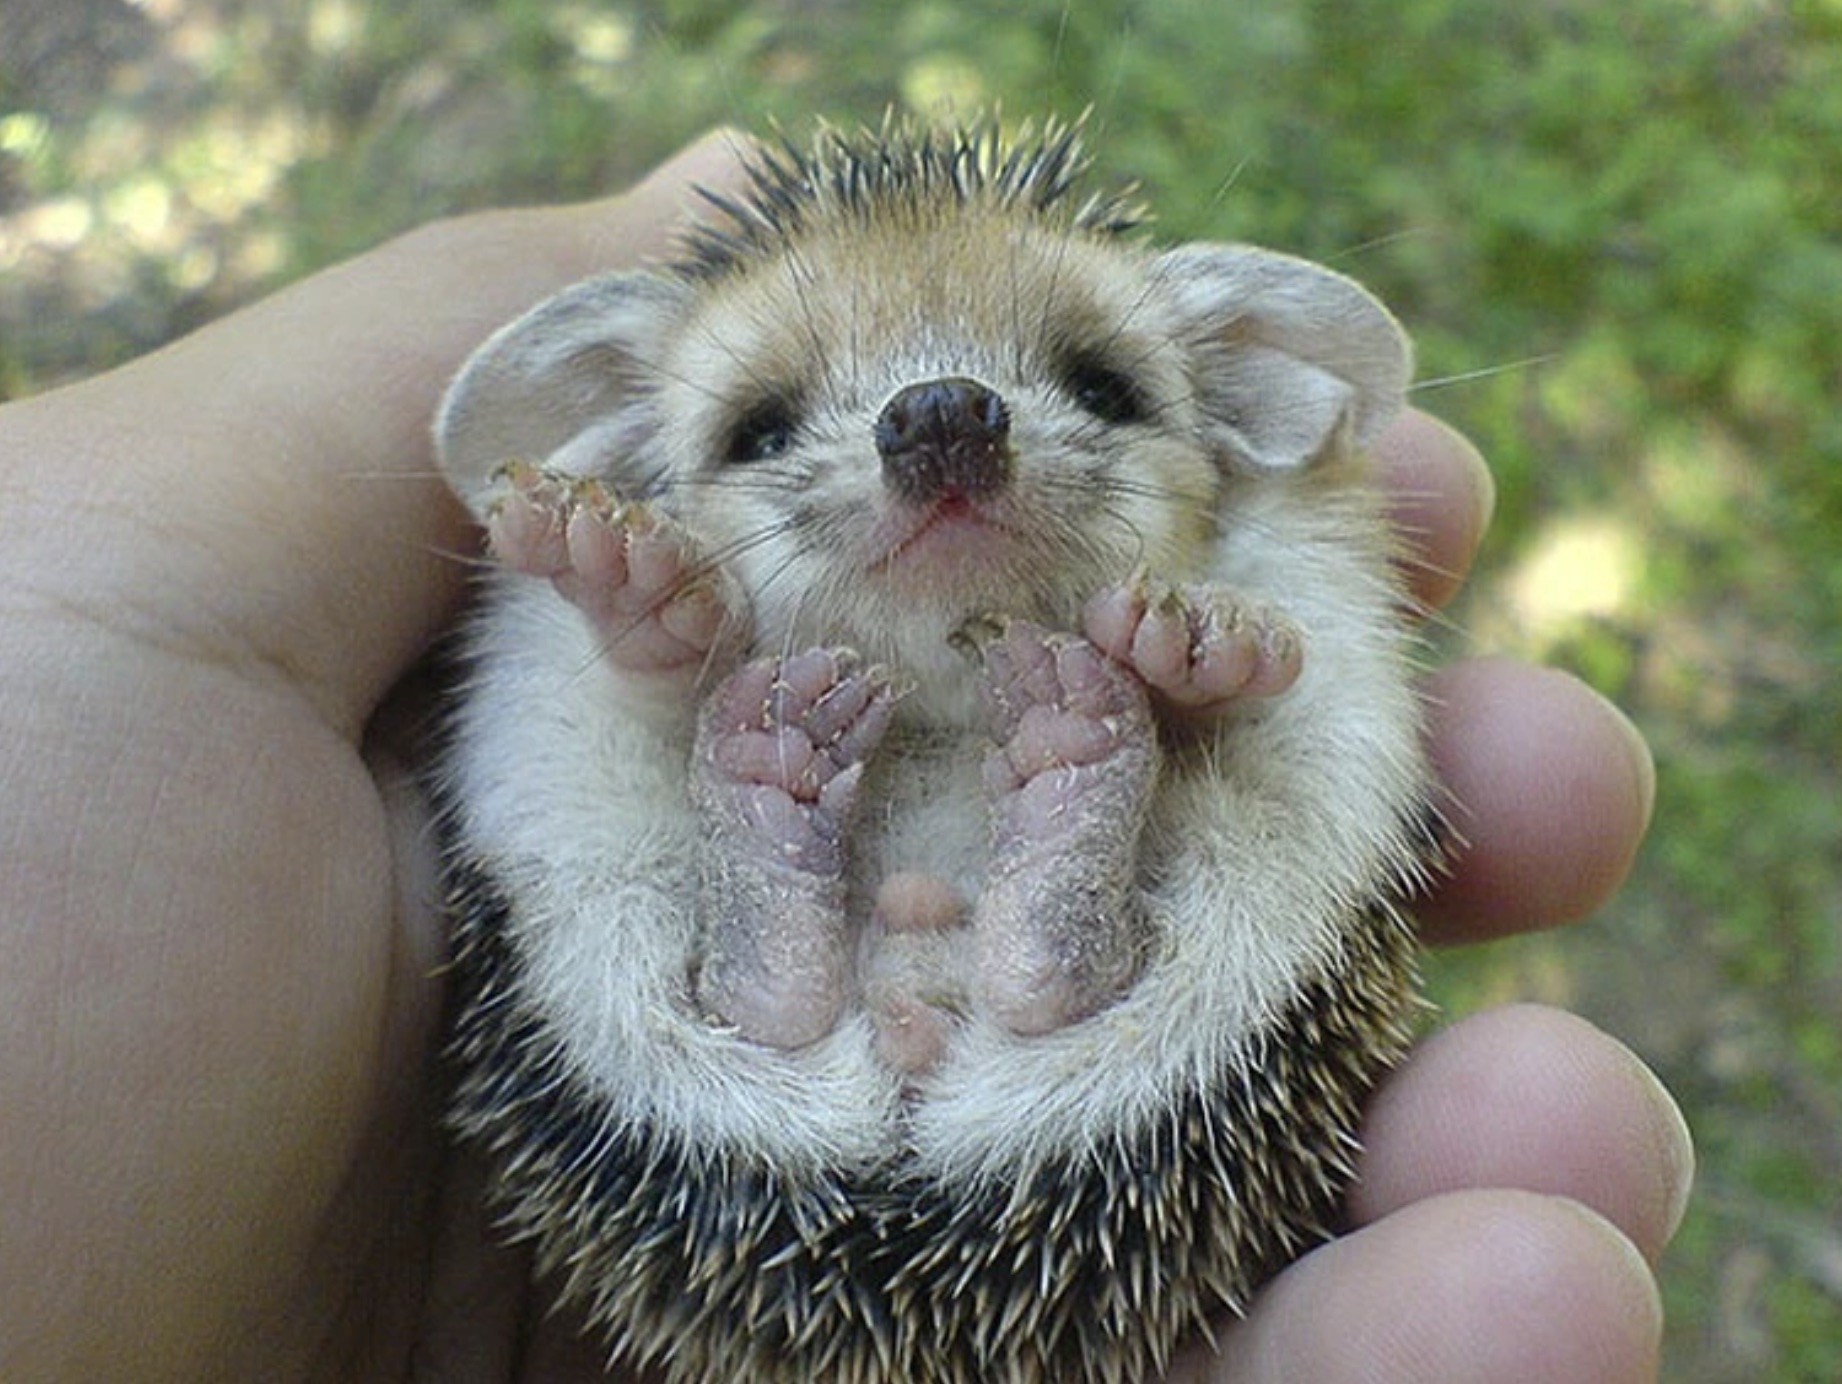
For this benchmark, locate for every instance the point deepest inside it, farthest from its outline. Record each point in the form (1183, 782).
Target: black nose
(944, 438)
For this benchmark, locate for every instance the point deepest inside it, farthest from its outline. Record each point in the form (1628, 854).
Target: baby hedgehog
(936, 778)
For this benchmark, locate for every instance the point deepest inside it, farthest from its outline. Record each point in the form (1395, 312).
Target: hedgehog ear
(1289, 359)
(559, 386)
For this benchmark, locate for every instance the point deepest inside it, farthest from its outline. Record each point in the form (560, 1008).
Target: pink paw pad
(785, 740)
(630, 570)
(781, 747)
(1057, 928)
(1198, 647)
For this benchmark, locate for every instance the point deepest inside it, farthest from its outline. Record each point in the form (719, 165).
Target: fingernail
(1637, 753)
(1676, 1145)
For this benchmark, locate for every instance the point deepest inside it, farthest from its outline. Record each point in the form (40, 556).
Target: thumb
(264, 491)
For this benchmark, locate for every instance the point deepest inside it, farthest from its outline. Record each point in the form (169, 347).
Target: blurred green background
(1615, 230)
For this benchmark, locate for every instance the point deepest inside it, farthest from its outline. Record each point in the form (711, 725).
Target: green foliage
(1617, 228)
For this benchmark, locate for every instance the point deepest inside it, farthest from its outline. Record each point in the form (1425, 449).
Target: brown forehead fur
(896, 172)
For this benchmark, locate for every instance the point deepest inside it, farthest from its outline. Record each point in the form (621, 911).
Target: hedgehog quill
(936, 782)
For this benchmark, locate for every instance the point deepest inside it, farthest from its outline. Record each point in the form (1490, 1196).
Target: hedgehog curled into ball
(935, 780)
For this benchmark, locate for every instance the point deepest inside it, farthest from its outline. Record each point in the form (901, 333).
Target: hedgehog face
(894, 430)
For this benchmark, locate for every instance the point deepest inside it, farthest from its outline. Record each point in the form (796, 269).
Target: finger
(275, 469)
(376, 341)
(1500, 1285)
(1550, 789)
(475, 1302)
(1440, 499)
(1530, 1098)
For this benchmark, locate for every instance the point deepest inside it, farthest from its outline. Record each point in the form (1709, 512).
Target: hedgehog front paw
(1058, 931)
(781, 747)
(633, 572)
(1198, 647)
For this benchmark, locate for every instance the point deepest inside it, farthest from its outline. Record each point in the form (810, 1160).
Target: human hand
(218, 1148)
